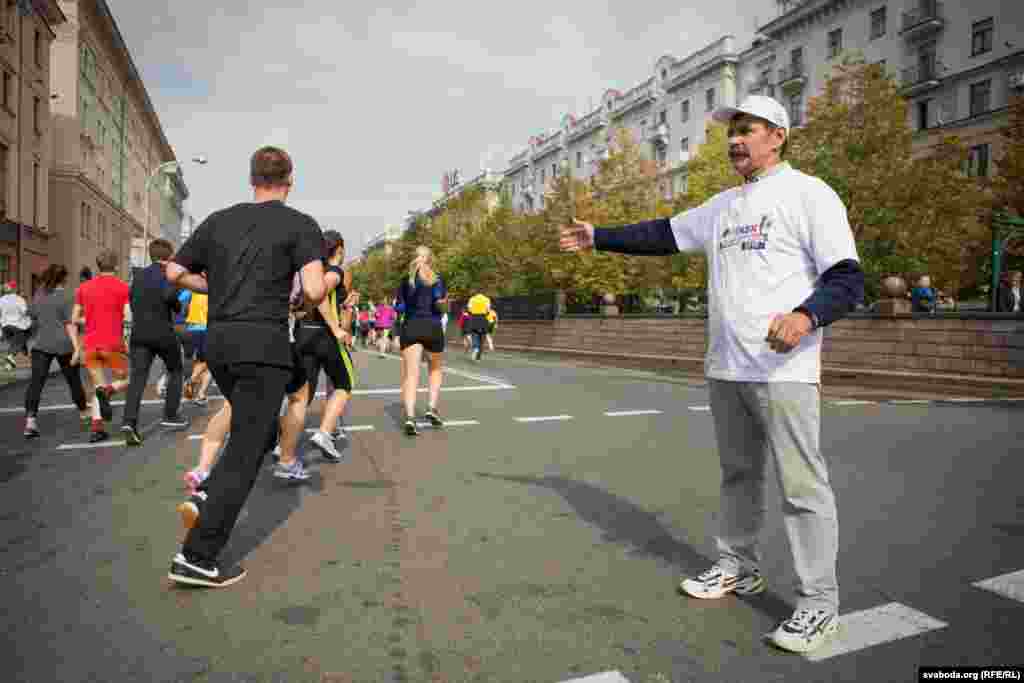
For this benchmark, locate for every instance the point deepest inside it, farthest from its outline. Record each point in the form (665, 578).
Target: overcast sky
(374, 105)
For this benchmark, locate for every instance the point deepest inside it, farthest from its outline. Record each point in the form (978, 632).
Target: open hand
(786, 331)
(576, 237)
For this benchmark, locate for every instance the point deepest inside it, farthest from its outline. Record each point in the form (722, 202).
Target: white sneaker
(324, 442)
(717, 582)
(806, 630)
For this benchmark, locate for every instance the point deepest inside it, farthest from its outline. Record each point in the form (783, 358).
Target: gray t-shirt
(51, 311)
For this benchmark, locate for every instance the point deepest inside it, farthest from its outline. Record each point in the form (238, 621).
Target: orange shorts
(96, 359)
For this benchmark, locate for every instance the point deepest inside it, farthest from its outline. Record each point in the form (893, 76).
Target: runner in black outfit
(154, 302)
(250, 252)
(422, 299)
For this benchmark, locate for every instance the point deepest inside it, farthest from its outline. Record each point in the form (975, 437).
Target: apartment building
(958, 63)
(667, 114)
(108, 145)
(26, 231)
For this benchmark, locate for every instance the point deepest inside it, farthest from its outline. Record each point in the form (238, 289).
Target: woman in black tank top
(322, 341)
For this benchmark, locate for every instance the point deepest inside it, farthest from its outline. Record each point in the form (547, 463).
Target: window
(981, 97)
(977, 161)
(663, 117)
(795, 110)
(83, 227)
(579, 159)
(878, 23)
(8, 89)
(664, 74)
(684, 111)
(981, 37)
(709, 97)
(922, 114)
(835, 43)
(35, 193)
(684, 149)
(554, 170)
(796, 60)
(542, 176)
(37, 47)
(5, 267)
(37, 106)
(661, 154)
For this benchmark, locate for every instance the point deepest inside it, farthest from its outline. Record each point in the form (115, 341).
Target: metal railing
(926, 11)
(927, 69)
(791, 72)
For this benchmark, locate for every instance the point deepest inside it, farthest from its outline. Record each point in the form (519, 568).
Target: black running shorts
(425, 331)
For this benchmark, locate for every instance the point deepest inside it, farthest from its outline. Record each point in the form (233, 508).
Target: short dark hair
(160, 250)
(54, 276)
(85, 274)
(332, 240)
(270, 167)
(107, 260)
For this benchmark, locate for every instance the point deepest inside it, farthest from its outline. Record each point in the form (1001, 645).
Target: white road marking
(603, 677)
(545, 418)
(460, 423)
(1008, 585)
(700, 409)
(471, 375)
(627, 413)
(908, 401)
(875, 626)
(351, 428)
(961, 400)
(853, 403)
(79, 446)
(193, 437)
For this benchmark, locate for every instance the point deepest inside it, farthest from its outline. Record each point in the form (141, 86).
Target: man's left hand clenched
(786, 331)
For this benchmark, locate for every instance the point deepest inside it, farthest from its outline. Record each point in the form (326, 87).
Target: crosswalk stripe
(875, 626)
(1008, 585)
(627, 413)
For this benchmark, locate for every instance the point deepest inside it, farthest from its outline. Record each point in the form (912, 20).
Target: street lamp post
(166, 167)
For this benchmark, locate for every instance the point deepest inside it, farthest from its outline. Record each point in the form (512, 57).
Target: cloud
(375, 103)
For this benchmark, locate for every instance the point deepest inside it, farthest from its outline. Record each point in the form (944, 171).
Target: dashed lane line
(875, 626)
(629, 413)
(544, 418)
(700, 409)
(853, 403)
(603, 677)
(80, 446)
(1008, 585)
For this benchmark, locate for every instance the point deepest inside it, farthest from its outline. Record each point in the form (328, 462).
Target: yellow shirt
(478, 304)
(198, 309)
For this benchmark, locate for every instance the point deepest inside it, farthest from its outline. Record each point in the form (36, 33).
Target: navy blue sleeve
(839, 290)
(650, 238)
(400, 298)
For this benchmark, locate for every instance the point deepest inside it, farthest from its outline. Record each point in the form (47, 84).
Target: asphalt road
(503, 549)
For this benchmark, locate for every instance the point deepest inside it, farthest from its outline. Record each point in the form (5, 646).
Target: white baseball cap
(763, 107)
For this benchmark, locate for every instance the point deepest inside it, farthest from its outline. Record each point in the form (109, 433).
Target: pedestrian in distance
(15, 322)
(153, 302)
(922, 296)
(1008, 295)
(250, 253)
(782, 264)
(477, 323)
(422, 299)
(385, 323)
(102, 302)
(56, 339)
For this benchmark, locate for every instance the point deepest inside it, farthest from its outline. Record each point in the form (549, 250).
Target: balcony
(917, 79)
(657, 134)
(928, 17)
(763, 87)
(793, 77)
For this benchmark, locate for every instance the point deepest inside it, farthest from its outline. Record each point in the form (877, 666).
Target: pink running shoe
(193, 479)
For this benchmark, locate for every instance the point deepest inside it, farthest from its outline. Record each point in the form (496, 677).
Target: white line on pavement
(960, 400)
(908, 401)
(79, 446)
(700, 409)
(875, 626)
(546, 418)
(193, 437)
(627, 413)
(1008, 585)
(853, 403)
(471, 375)
(603, 677)
(351, 428)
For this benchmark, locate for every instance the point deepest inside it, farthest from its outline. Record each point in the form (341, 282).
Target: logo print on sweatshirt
(752, 237)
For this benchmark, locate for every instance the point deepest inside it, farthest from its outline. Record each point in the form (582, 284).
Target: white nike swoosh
(205, 572)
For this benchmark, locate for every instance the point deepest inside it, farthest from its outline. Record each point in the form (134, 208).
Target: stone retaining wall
(969, 345)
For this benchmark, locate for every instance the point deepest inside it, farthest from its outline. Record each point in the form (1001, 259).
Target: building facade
(107, 185)
(958, 64)
(26, 230)
(667, 114)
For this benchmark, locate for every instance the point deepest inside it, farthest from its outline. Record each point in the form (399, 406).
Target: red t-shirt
(102, 300)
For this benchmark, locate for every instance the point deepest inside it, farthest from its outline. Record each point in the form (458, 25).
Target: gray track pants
(782, 420)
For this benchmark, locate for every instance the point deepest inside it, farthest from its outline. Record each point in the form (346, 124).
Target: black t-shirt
(340, 293)
(153, 302)
(250, 253)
